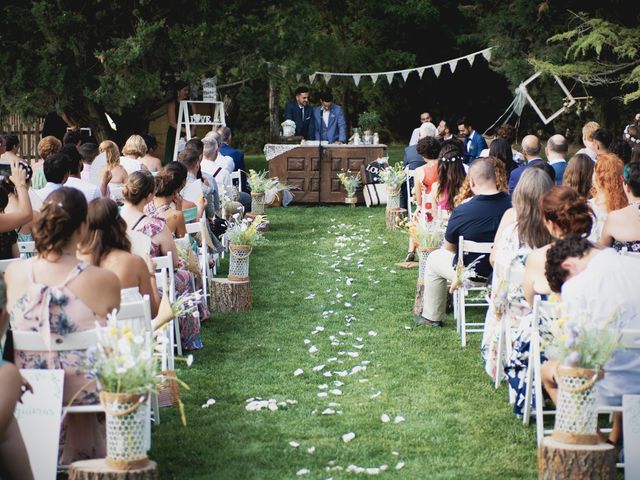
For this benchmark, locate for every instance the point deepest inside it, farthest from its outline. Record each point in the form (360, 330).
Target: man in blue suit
(473, 142)
(302, 113)
(238, 157)
(531, 148)
(329, 120)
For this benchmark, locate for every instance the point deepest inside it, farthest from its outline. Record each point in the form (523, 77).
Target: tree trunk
(394, 217)
(564, 461)
(98, 470)
(418, 300)
(228, 296)
(274, 109)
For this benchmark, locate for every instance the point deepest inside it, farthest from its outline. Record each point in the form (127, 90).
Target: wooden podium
(314, 180)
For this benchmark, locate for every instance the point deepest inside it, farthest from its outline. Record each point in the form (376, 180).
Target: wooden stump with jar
(395, 218)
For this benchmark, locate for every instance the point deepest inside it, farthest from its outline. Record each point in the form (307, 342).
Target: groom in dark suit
(329, 121)
(302, 113)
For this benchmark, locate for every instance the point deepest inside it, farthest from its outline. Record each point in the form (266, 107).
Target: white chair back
(236, 176)
(631, 434)
(409, 175)
(4, 264)
(167, 282)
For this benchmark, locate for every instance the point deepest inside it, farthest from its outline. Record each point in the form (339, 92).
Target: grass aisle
(456, 425)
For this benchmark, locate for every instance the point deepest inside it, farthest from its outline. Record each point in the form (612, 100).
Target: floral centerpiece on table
(288, 128)
(350, 182)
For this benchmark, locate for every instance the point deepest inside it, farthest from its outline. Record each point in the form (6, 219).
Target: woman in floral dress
(54, 294)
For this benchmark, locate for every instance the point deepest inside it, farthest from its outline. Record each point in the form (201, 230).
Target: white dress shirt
(219, 173)
(130, 165)
(325, 117)
(226, 161)
(44, 192)
(89, 190)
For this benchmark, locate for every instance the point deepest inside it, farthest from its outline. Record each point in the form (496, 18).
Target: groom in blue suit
(329, 121)
(302, 113)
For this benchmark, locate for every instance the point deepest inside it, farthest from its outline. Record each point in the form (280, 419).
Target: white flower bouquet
(350, 182)
(260, 182)
(393, 176)
(246, 232)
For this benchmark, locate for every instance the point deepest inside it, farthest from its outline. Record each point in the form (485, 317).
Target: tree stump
(418, 301)
(228, 296)
(394, 217)
(565, 461)
(97, 470)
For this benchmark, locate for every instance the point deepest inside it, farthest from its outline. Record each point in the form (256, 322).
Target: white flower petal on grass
(338, 383)
(339, 295)
(336, 391)
(384, 468)
(395, 453)
(349, 281)
(323, 394)
(303, 471)
(353, 354)
(211, 401)
(324, 386)
(311, 449)
(327, 374)
(298, 372)
(359, 339)
(385, 418)
(399, 465)
(313, 349)
(347, 437)
(359, 347)
(354, 294)
(392, 271)
(376, 394)
(407, 327)
(317, 368)
(332, 359)
(311, 296)
(328, 411)
(307, 341)
(347, 304)
(372, 471)
(294, 444)
(372, 333)
(363, 380)
(292, 402)
(399, 419)
(333, 404)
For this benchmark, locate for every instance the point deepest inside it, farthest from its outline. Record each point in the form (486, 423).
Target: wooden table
(316, 181)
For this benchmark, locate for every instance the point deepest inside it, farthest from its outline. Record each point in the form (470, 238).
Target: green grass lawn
(457, 425)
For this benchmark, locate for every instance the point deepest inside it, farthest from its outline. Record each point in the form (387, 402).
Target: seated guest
(622, 228)
(12, 144)
(476, 220)
(54, 293)
(521, 230)
(621, 149)
(223, 160)
(89, 152)
(556, 150)
(546, 168)
(607, 190)
(413, 159)
(564, 213)
(14, 459)
(500, 148)
(88, 189)
(138, 192)
(415, 135)
(531, 149)
(451, 176)
(632, 137)
(238, 157)
(117, 175)
(474, 143)
(134, 149)
(152, 163)
(56, 170)
(579, 174)
(74, 136)
(601, 284)
(602, 141)
(167, 202)
(502, 179)
(46, 147)
(444, 132)
(105, 244)
(506, 132)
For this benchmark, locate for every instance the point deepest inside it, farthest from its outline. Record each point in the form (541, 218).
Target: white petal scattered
(399, 465)
(298, 372)
(318, 368)
(372, 471)
(332, 359)
(353, 354)
(311, 449)
(328, 411)
(303, 471)
(399, 419)
(311, 296)
(313, 349)
(376, 395)
(347, 437)
(339, 295)
(407, 327)
(372, 333)
(395, 453)
(294, 444)
(327, 374)
(347, 304)
(338, 383)
(335, 391)
(385, 418)
(323, 394)
(307, 341)
(324, 386)
(363, 380)
(384, 468)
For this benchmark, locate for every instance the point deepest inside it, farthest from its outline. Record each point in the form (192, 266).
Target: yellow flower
(561, 321)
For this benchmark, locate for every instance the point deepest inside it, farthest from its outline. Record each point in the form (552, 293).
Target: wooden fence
(28, 132)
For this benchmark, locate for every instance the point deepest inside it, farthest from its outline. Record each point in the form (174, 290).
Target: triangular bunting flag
(298, 77)
(436, 69)
(405, 74)
(356, 79)
(283, 69)
(327, 77)
(374, 78)
(452, 65)
(487, 54)
(312, 77)
(390, 77)
(420, 71)
(471, 58)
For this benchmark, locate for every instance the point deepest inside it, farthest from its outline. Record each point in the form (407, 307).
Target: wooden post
(228, 296)
(274, 110)
(565, 461)
(394, 217)
(97, 470)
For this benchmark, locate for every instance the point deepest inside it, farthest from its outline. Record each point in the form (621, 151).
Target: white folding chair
(27, 249)
(410, 175)
(198, 228)
(237, 176)
(461, 294)
(164, 266)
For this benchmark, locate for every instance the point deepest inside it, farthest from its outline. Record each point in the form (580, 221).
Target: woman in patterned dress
(622, 227)
(54, 293)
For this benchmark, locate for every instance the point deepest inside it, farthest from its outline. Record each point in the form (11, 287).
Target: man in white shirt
(415, 137)
(88, 189)
(223, 160)
(56, 171)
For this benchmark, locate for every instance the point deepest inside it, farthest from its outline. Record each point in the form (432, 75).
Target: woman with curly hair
(502, 183)
(46, 147)
(607, 190)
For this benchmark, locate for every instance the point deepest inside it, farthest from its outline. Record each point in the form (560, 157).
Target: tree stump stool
(565, 461)
(228, 296)
(264, 226)
(97, 470)
(418, 300)
(394, 217)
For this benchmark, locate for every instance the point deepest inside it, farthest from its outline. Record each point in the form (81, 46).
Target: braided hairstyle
(61, 215)
(451, 172)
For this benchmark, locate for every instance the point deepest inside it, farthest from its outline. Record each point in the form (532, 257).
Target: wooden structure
(186, 120)
(564, 461)
(97, 470)
(228, 296)
(27, 131)
(394, 217)
(315, 181)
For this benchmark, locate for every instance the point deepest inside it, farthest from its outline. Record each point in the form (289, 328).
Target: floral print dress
(507, 295)
(189, 325)
(55, 310)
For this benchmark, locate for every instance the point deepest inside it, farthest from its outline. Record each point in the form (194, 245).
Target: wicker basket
(126, 417)
(393, 198)
(168, 390)
(239, 263)
(351, 201)
(576, 412)
(257, 202)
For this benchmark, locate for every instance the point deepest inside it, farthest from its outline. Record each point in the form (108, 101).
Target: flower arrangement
(369, 121)
(580, 342)
(187, 256)
(350, 182)
(260, 182)
(393, 176)
(428, 235)
(465, 274)
(246, 232)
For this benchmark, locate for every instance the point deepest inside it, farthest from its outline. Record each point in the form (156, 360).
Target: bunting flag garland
(436, 67)
(298, 77)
